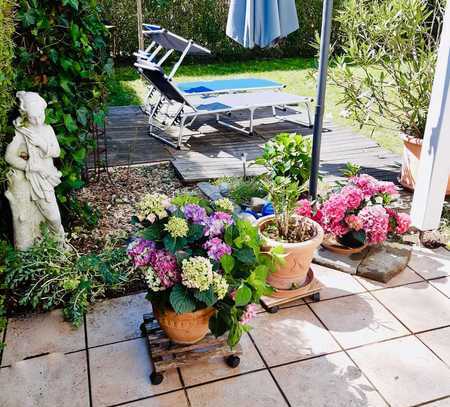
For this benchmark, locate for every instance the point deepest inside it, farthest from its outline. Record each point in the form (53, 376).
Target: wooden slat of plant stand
(166, 355)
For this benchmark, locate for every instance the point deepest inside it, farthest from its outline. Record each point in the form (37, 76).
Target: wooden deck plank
(215, 152)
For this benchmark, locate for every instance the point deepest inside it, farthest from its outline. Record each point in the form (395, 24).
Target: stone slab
(346, 263)
(385, 261)
(212, 192)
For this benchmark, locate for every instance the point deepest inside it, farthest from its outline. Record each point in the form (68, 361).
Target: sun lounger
(181, 110)
(162, 39)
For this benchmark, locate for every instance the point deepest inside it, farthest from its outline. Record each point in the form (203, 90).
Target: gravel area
(115, 195)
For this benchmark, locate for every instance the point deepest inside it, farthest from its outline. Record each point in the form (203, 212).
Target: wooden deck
(215, 152)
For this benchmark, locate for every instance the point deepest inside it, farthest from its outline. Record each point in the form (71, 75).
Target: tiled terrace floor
(364, 344)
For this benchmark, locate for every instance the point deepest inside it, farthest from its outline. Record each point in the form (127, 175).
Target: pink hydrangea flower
(385, 187)
(352, 196)
(304, 208)
(215, 224)
(367, 184)
(165, 266)
(375, 223)
(354, 222)
(333, 210)
(216, 248)
(337, 229)
(249, 313)
(403, 223)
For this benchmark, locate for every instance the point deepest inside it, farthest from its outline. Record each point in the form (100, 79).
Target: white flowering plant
(193, 256)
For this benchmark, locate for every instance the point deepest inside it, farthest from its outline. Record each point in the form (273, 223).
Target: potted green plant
(357, 213)
(204, 268)
(385, 68)
(297, 235)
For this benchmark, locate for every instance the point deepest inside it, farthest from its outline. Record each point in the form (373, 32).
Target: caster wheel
(156, 378)
(315, 297)
(273, 310)
(233, 361)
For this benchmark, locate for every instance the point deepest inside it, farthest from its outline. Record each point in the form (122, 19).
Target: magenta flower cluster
(359, 205)
(143, 254)
(216, 248)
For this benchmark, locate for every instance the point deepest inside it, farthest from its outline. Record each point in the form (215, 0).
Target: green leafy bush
(393, 45)
(47, 276)
(62, 53)
(288, 155)
(205, 22)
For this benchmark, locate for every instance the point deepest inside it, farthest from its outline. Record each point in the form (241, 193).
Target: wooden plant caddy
(311, 288)
(166, 355)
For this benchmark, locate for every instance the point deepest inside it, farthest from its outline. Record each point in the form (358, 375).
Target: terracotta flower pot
(187, 328)
(410, 164)
(298, 257)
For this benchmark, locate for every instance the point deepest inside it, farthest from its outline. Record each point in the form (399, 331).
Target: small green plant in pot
(204, 268)
(386, 68)
(297, 236)
(288, 155)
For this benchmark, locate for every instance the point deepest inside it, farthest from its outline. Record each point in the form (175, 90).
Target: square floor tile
(439, 342)
(442, 284)
(37, 334)
(335, 283)
(120, 373)
(291, 334)
(52, 380)
(419, 306)
(407, 276)
(217, 368)
(358, 320)
(430, 263)
(250, 390)
(175, 399)
(404, 371)
(116, 320)
(330, 380)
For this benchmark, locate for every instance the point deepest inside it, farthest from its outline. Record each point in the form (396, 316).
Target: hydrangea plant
(361, 206)
(193, 257)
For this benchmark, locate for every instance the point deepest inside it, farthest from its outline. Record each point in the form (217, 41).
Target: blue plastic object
(267, 209)
(253, 213)
(222, 85)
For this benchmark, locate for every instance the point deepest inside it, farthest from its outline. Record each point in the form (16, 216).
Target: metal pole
(320, 100)
(139, 23)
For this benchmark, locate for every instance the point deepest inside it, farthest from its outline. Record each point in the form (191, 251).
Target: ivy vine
(62, 53)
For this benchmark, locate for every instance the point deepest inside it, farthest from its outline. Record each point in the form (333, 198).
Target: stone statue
(33, 176)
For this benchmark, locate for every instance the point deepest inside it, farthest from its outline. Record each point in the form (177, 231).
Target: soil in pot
(298, 255)
(187, 328)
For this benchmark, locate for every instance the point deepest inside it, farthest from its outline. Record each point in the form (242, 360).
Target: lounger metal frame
(163, 119)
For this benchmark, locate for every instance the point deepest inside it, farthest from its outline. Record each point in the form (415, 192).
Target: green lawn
(127, 88)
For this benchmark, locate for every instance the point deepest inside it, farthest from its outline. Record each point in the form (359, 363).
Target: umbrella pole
(320, 100)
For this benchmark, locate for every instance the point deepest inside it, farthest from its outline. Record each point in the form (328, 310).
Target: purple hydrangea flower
(216, 248)
(195, 213)
(140, 251)
(215, 224)
(165, 266)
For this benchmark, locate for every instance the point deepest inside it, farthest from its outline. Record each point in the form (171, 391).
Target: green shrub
(288, 155)
(62, 53)
(242, 190)
(205, 22)
(47, 276)
(393, 44)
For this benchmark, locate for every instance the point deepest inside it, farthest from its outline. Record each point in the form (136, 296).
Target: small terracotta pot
(187, 328)
(298, 257)
(412, 148)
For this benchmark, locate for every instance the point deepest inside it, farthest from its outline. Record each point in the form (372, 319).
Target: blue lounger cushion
(227, 85)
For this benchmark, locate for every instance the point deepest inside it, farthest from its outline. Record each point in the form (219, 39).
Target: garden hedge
(205, 21)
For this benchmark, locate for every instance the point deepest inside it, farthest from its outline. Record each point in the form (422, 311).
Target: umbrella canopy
(261, 23)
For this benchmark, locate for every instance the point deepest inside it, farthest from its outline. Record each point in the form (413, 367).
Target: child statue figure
(33, 176)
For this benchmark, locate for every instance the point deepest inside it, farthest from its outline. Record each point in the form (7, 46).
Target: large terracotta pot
(411, 159)
(187, 328)
(298, 257)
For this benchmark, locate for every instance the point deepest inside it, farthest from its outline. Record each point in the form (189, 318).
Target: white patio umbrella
(262, 23)
(434, 167)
